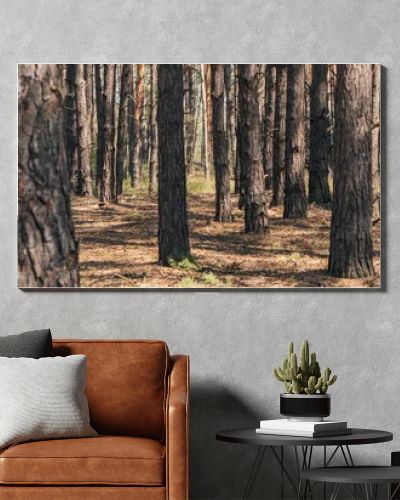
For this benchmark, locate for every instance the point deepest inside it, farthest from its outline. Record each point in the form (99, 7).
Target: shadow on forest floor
(118, 248)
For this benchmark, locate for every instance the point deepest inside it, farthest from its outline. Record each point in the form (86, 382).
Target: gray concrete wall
(234, 339)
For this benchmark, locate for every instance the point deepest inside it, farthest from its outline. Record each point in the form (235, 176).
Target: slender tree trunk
(376, 126)
(153, 129)
(210, 149)
(279, 151)
(143, 147)
(295, 195)
(138, 105)
(47, 250)
(71, 144)
(222, 178)
(122, 129)
(351, 248)
(131, 123)
(204, 151)
(88, 72)
(100, 134)
(237, 162)
(308, 72)
(269, 123)
(110, 192)
(173, 238)
(85, 182)
(190, 114)
(252, 174)
(319, 137)
(230, 117)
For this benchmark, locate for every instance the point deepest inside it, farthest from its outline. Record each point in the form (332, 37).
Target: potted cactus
(306, 386)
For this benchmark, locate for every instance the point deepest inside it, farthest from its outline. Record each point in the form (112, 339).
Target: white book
(303, 425)
(311, 434)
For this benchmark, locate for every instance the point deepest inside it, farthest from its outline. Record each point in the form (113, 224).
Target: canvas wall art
(195, 176)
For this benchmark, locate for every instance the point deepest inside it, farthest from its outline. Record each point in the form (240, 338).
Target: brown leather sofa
(139, 400)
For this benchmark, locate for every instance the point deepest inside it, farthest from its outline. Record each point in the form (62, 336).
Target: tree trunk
(190, 114)
(153, 129)
(88, 72)
(269, 123)
(122, 129)
(252, 174)
(308, 72)
(131, 123)
(319, 137)
(210, 149)
(100, 134)
(85, 182)
(70, 124)
(279, 151)
(47, 250)
(222, 178)
(237, 162)
(230, 116)
(204, 148)
(295, 195)
(351, 248)
(173, 238)
(138, 105)
(110, 192)
(376, 127)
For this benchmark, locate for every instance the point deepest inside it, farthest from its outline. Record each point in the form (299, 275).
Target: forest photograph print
(199, 176)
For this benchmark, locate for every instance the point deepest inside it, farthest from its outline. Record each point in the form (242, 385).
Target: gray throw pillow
(33, 344)
(43, 399)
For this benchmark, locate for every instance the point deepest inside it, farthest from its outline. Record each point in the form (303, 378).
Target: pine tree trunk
(308, 72)
(279, 151)
(122, 129)
(295, 195)
(222, 178)
(190, 115)
(319, 137)
(71, 144)
(252, 173)
(204, 148)
(210, 150)
(100, 133)
(110, 192)
(88, 72)
(269, 123)
(376, 126)
(230, 117)
(47, 250)
(351, 247)
(138, 106)
(85, 181)
(237, 162)
(131, 123)
(173, 238)
(153, 129)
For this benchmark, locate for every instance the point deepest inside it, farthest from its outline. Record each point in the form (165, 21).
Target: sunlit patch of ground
(118, 248)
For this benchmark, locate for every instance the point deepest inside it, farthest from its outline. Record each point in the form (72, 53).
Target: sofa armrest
(177, 431)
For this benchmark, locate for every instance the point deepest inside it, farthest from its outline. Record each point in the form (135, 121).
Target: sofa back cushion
(126, 384)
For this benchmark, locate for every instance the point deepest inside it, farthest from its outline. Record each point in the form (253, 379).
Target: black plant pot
(315, 406)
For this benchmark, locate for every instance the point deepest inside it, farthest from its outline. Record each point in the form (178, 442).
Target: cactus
(306, 377)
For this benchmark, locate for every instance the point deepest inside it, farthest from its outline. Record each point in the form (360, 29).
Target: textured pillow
(34, 344)
(43, 399)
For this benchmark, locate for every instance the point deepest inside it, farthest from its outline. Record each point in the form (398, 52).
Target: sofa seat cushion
(102, 460)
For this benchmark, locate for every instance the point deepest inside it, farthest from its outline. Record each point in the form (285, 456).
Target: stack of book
(303, 428)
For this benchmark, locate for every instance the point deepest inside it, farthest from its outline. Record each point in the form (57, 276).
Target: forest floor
(118, 248)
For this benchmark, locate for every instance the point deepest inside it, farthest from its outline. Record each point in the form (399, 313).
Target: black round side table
(303, 450)
(369, 477)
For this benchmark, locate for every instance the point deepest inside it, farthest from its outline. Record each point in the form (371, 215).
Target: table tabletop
(249, 436)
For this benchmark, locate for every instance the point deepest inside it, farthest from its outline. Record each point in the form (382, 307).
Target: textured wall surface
(234, 339)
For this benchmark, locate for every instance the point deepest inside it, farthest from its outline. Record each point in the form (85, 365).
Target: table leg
(254, 471)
